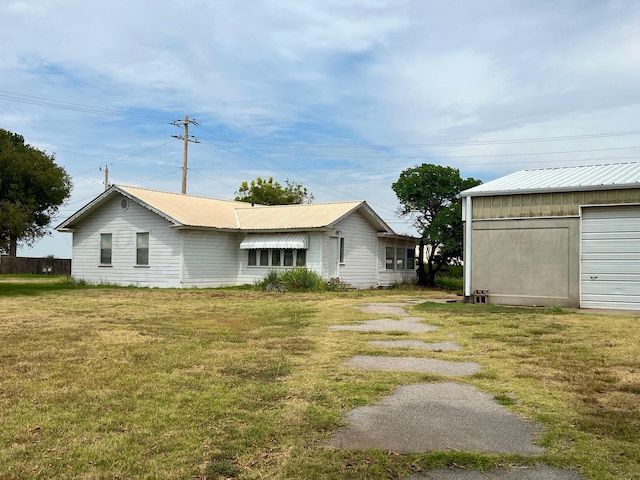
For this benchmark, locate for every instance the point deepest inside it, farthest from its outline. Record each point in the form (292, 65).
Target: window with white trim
(142, 248)
(401, 254)
(105, 248)
(341, 250)
(276, 257)
(390, 259)
(399, 258)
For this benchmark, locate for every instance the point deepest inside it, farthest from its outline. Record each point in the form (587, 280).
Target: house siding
(164, 247)
(360, 267)
(210, 258)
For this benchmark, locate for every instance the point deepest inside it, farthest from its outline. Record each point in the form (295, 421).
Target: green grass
(100, 383)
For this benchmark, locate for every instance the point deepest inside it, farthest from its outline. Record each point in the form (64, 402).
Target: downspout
(467, 249)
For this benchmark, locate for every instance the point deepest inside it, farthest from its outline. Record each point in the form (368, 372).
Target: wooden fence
(50, 266)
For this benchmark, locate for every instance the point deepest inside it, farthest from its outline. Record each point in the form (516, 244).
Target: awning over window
(275, 240)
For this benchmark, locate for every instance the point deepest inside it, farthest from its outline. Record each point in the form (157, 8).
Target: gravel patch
(417, 344)
(410, 364)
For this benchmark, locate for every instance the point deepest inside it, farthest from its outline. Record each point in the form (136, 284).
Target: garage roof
(562, 179)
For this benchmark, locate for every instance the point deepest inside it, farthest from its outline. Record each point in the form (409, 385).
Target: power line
(436, 157)
(446, 144)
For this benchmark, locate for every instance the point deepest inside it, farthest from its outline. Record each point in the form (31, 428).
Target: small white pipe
(467, 247)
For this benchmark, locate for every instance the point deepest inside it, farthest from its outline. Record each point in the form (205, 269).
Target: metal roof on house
(188, 209)
(561, 179)
(279, 217)
(202, 212)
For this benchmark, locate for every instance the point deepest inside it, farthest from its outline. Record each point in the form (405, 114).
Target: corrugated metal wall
(560, 204)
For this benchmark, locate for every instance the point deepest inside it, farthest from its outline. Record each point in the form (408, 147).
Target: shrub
(272, 282)
(301, 279)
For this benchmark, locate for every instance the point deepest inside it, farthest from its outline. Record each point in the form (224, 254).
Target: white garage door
(610, 265)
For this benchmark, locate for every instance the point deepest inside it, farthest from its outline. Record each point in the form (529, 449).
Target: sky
(340, 96)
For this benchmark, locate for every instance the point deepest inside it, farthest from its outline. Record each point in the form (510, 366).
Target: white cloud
(319, 71)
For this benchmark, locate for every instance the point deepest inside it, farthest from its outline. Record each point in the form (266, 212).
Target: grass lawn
(125, 383)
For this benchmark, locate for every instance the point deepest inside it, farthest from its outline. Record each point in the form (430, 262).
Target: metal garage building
(565, 236)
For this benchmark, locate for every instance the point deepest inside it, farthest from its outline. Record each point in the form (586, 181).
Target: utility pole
(185, 123)
(106, 177)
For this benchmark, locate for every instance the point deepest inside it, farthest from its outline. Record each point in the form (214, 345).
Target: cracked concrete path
(412, 364)
(416, 344)
(385, 309)
(438, 417)
(407, 324)
(542, 472)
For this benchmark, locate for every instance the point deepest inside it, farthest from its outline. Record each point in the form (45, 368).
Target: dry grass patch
(143, 383)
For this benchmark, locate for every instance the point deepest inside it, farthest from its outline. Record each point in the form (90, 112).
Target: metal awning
(275, 240)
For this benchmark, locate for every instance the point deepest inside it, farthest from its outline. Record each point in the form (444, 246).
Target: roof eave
(527, 191)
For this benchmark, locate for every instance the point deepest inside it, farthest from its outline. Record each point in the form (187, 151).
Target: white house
(136, 236)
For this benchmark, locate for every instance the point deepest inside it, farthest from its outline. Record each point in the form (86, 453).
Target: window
(390, 258)
(400, 258)
(275, 258)
(301, 258)
(341, 253)
(286, 257)
(400, 254)
(142, 248)
(411, 258)
(264, 258)
(105, 249)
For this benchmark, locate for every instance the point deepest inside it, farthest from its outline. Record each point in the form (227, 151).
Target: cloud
(416, 76)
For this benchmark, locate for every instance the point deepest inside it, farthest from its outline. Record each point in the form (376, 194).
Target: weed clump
(299, 279)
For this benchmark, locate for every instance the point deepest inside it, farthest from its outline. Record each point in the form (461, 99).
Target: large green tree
(429, 195)
(32, 187)
(269, 192)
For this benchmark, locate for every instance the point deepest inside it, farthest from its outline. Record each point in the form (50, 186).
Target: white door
(334, 270)
(610, 263)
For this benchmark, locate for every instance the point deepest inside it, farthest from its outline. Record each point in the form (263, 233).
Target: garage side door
(610, 264)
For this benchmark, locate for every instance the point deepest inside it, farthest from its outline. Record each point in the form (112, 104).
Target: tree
(269, 192)
(32, 187)
(429, 194)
